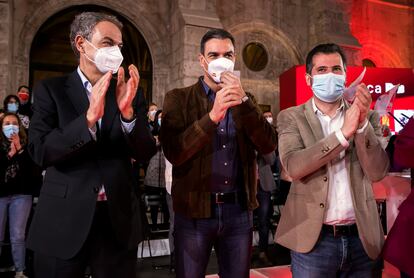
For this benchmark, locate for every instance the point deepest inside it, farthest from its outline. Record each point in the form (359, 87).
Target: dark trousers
(105, 257)
(263, 213)
(229, 231)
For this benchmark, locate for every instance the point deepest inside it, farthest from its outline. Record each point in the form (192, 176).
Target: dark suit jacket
(77, 165)
(186, 137)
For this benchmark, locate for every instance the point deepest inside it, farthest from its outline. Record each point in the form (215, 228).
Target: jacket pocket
(54, 189)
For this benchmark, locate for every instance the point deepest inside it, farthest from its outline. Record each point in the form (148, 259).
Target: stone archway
(282, 52)
(382, 55)
(138, 16)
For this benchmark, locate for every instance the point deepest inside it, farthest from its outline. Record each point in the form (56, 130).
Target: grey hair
(84, 23)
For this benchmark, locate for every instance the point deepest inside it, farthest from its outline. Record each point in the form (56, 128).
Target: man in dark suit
(85, 129)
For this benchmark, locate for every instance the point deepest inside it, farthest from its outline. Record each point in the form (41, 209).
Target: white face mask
(218, 66)
(152, 113)
(269, 120)
(107, 58)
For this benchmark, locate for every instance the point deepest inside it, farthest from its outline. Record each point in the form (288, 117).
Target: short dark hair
(84, 23)
(327, 48)
(220, 34)
(8, 98)
(23, 86)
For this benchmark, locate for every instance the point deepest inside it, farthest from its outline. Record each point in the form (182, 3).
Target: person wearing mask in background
(154, 180)
(12, 104)
(268, 116)
(23, 93)
(266, 185)
(15, 187)
(332, 152)
(210, 132)
(86, 128)
(152, 109)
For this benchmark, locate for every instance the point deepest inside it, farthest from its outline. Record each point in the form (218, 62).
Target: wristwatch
(244, 99)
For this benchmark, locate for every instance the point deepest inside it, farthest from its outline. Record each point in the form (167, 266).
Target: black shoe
(172, 262)
(264, 260)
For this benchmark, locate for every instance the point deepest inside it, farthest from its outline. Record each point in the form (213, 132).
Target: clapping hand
(97, 99)
(126, 91)
(15, 145)
(351, 121)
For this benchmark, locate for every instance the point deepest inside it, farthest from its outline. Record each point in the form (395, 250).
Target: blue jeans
(263, 214)
(17, 208)
(342, 256)
(229, 230)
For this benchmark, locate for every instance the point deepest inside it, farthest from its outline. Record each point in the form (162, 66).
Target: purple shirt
(226, 169)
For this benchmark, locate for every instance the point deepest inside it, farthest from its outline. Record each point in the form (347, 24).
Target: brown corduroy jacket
(186, 137)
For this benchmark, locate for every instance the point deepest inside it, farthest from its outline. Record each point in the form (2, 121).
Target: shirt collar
(85, 82)
(317, 111)
(207, 89)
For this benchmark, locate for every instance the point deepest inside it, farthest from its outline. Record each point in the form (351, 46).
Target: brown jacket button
(325, 178)
(321, 205)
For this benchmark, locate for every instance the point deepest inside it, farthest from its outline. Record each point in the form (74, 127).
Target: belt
(341, 230)
(226, 198)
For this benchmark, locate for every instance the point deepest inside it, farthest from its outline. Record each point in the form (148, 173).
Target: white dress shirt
(340, 209)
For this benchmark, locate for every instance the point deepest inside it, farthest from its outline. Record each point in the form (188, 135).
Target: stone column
(4, 48)
(191, 19)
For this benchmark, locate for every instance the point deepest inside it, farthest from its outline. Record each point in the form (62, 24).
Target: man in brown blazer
(210, 132)
(331, 151)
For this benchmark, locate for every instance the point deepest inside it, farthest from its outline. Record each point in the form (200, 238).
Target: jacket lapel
(77, 93)
(313, 121)
(79, 98)
(111, 108)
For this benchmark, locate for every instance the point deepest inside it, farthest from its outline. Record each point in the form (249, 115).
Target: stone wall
(386, 32)
(4, 48)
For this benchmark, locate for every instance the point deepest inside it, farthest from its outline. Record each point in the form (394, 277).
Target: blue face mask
(12, 107)
(9, 130)
(328, 87)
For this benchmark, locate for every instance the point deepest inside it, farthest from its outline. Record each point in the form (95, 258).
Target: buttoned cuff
(127, 127)
(362, 129)
(342, 138)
